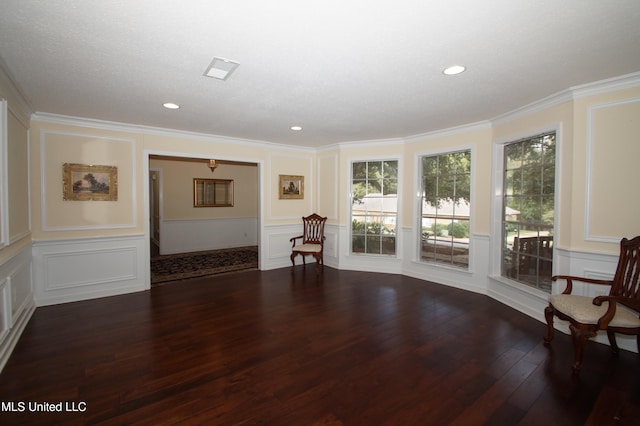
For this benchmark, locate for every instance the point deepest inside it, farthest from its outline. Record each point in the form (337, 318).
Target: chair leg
(293, 262)
(548, 314)
(319, 263)
(580, 338)
(612, 341)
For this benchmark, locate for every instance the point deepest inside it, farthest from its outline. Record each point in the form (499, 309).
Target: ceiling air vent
(220, 68)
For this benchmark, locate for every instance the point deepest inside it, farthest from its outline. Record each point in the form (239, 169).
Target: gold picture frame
(82, 182)
(291, 187)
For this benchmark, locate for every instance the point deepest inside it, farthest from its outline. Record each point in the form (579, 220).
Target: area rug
(173, 267)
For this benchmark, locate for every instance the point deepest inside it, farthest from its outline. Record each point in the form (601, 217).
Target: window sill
(442, 266)
(379, 255)
(542, 295)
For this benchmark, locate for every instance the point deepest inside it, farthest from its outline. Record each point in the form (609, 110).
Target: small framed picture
(291, 187)
(81, 182)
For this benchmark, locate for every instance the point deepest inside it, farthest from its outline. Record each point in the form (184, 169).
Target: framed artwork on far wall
(291, 187)
(82, 182)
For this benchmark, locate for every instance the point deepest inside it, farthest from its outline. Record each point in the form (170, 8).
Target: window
(374, 207)
(528, 210)
(445, 208)
(212, 192)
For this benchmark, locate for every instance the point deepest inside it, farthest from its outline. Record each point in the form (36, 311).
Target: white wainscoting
(474, 279)
(276, 247)
(183, 236)
(78, 269)
(16, 301)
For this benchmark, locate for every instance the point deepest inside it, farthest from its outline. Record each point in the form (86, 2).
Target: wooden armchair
(525, 253)
(619, 312)
(312, 240)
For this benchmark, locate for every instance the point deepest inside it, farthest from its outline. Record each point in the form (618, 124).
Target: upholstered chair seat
(582, 309)
(617, 312)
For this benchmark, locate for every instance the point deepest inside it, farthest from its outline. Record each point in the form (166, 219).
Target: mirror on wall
(212, 192)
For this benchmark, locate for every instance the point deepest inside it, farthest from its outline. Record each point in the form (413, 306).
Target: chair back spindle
(313, 229)
(626, 281)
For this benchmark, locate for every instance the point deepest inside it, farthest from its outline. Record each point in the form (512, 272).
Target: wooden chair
(312, 240)
(619, 312)
(527, 250)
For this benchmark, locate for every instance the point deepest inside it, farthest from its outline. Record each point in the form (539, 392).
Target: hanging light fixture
(212, 165)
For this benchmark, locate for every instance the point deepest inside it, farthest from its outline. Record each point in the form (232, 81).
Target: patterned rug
(174, 267)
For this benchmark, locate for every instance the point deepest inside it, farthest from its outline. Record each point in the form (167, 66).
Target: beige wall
(18, 174)
(52, 145)
(559, 118)
(273, 160)
(16, 229)
(177, 188)
(478, 139)
(295, 164)
(598, 146)
(607, 144)
(329, 182)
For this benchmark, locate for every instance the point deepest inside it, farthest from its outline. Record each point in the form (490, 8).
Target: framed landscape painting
(81, 182)
(291, 187)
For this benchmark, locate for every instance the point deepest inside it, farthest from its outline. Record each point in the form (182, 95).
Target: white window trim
(417, 208)
(349, 173)
(495, 256)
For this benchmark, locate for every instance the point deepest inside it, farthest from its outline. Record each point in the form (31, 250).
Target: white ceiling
(343, 70)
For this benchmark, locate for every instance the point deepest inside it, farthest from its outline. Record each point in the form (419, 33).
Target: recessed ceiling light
(455, 69)
(296, 127)
(220, 68)
(170, 105)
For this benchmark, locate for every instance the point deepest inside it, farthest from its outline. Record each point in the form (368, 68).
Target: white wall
(182, 236)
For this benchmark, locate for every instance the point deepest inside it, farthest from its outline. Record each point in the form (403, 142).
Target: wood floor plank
(281, 348)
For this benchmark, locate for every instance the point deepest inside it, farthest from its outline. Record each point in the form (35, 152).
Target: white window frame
(495, 269)
(418, 206)
(398, 235)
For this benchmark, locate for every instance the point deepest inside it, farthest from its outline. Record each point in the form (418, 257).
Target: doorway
(155, 207)
(177, 224)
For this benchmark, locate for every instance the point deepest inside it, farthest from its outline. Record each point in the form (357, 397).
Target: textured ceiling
(343, 70)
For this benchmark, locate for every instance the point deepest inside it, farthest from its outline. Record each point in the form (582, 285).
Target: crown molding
(158, 131)
(451, 131)
(540, 105)
(568, 95)
(372, 142)
(23, 109)
(627, 81)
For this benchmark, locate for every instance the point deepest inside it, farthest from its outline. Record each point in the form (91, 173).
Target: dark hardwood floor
(272, 348)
